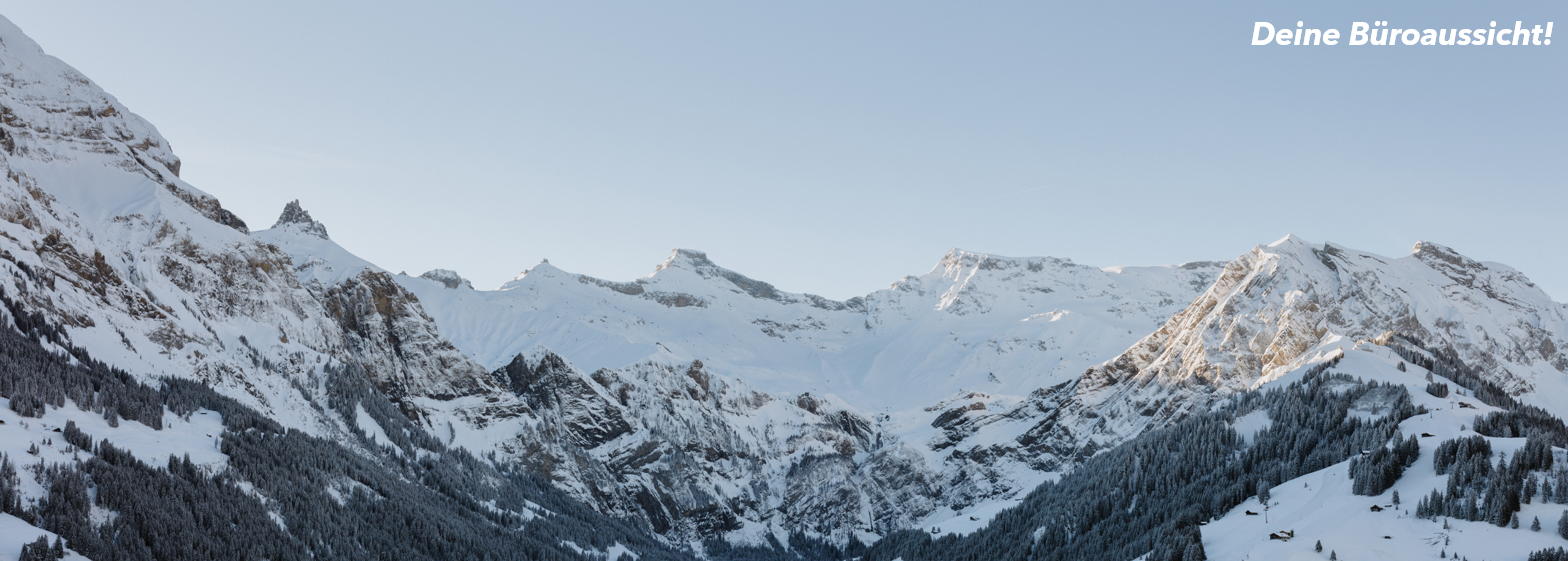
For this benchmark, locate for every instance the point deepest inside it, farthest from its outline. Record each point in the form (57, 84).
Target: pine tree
(1514, 521)
(1319, 547)
(1562, 525)
(1535, 525)
(1396, 498)
(1333, 556)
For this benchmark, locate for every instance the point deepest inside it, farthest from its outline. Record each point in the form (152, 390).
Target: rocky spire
(295, 214)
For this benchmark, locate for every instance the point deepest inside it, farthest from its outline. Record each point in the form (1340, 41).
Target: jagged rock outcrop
(447, 278)
(1275, 303)
(698, 454)
(295, 215)
(99, 233)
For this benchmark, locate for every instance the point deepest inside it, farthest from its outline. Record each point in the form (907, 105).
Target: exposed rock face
(385, 331)
(698, 454)
(98, 232)
(447, 278)
(1279, 306)
(1275, 303)
(296, 215)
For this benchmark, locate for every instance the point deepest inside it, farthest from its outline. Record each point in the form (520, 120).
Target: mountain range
(699, 402)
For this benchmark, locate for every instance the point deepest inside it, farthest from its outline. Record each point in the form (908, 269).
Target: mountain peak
(1291, 241)
(448, 278)
(698, 262)
(52, 108)
(1430, 252)
(543, 269)
(295, 214)
(689, 259)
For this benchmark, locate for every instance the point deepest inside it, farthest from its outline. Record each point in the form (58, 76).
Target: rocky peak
(1274, 304)
(689, 259)
(52, 111)
(293, 214)
(961, 260)
(698, 262)
(1429, 253)
(447, 278)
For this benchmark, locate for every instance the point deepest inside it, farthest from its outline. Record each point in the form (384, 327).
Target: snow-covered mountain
(1278, 307)
(1274, 304)
(698, 399)
(975, 322)
(716, 403)
(152, 275)
(1297, 482)
(984, 377)
(100, 236)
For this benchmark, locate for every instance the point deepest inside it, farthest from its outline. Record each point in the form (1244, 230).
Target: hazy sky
(834, 147)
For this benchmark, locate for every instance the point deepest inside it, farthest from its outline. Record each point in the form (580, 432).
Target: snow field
(198, 436)
(1320, 506)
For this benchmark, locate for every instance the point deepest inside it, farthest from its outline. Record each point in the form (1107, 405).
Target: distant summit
(295, 214)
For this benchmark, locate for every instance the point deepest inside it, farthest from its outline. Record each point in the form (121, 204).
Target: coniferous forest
(420, 501)
(417, 499)
(1156, 491)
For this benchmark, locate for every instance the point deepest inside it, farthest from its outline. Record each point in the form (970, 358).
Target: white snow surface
(196, 435)
(152, 275)
(14, 532)
(942, 397)
(977, 322)
(1320, 507)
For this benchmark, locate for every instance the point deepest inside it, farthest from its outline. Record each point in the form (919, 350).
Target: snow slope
(1278, 307)
(14, 532)
(977, 322)
(1320, 506)
(702, 400)
(1272, 304)
(962, 370)
(150, 274)
(194, 435)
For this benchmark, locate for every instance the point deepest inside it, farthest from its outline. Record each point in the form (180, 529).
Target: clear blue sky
(833, 147)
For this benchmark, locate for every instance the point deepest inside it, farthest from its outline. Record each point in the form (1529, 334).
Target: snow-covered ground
(975, 322)
(1320, 506)
(14, 533)
(945, 521)
(938, 377)
(197, 436)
